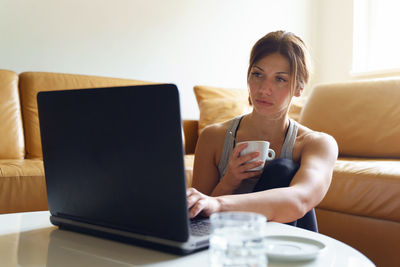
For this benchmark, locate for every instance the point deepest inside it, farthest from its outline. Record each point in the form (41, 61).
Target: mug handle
(272, 152)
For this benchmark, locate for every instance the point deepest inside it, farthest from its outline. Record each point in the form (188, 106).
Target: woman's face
(269, 84)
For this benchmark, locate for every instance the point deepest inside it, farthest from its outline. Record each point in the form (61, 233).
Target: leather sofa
(362, 206)
(22, 183)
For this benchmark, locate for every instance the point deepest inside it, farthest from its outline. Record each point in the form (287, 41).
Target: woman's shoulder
(214, 134)
(216, 129)
(311, 138)
(212, 138)
(307, 133)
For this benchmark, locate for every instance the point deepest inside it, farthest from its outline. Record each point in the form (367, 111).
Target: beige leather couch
(22, 183)
(362, 206)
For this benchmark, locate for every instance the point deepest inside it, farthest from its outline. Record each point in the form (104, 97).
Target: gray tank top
(230, 141)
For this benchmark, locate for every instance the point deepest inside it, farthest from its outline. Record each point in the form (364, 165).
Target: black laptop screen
(114, 157)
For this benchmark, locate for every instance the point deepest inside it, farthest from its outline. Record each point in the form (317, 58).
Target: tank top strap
(290, 139)
(229, 144)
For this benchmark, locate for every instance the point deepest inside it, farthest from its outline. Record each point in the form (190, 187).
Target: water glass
(237, 239)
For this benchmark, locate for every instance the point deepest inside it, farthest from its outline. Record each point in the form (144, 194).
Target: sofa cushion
(22, 185)
(362, 116)
(190, 131)
(220, 104)
(33, 82)
(219, 110)
(189, 160)
(378, 239)
(11, 133)
(365, 187)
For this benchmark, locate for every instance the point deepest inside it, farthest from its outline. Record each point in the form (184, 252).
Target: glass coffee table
(29, 239)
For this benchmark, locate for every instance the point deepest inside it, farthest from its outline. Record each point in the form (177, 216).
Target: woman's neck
(266, 128)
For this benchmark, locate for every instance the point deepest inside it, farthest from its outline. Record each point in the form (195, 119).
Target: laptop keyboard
(200, 227)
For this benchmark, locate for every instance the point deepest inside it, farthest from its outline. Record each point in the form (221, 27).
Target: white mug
(261, 146)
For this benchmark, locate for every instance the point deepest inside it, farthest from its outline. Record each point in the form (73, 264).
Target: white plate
(292, 248)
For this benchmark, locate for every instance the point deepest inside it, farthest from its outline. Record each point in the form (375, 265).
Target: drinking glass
(237, 239)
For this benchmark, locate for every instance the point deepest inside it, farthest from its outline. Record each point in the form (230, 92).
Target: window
(376, 43)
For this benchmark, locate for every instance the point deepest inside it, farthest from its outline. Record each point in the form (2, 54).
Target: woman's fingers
(192, 196)
(236, 151)
(190, 191)
(251, 174)
(240, 160)
(246, 167)
(196, 202)
(239, 167)
(246, 158)
(198, 207)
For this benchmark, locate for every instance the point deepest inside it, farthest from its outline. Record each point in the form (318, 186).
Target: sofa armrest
(190, 130)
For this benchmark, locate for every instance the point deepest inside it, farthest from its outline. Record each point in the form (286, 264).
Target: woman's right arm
(205, 169)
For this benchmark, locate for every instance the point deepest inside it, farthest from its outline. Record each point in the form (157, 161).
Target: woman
(289, 187)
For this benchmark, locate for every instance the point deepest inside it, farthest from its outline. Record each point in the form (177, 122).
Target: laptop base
(122, 236)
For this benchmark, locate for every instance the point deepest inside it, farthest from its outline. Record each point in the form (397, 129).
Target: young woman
(289, 187)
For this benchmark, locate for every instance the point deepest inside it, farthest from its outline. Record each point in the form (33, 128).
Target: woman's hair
(292, 48)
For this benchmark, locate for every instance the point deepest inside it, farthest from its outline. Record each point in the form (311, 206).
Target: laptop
(114, 167)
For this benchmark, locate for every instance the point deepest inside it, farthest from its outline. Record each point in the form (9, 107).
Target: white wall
(186, 42)
(332, 40)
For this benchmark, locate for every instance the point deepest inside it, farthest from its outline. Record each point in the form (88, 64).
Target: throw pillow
(220, 104)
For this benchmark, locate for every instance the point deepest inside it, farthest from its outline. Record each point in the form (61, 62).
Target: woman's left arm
(307, 189)
(312, 180)
(286, 204)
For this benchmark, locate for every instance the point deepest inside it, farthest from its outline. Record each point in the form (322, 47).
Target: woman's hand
(239, 168)
(199, 203)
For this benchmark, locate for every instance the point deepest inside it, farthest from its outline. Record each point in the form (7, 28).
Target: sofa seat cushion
(365, 187)
(22, 186)
(19, 168)
(189, 160)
